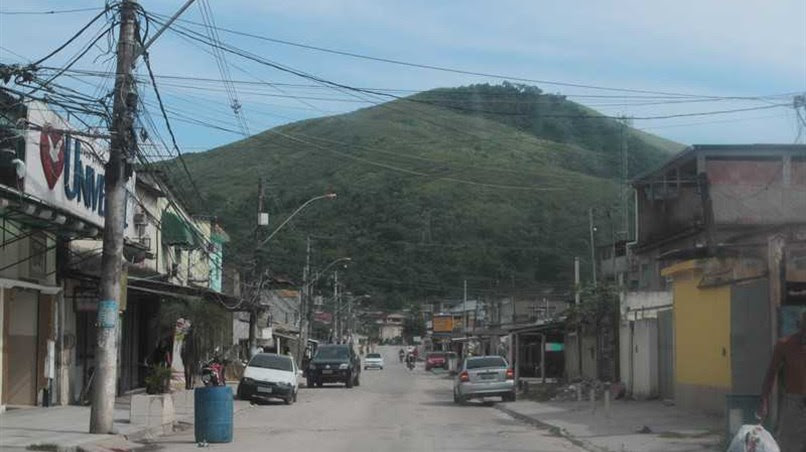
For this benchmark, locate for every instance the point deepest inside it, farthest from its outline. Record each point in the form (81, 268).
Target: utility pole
(337, 311)
(256, 274)
(464, 309)
(593, 245)
(305, 304)
(577, 282)
(118, 169)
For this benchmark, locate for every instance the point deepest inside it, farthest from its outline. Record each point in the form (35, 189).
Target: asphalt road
(392, 410)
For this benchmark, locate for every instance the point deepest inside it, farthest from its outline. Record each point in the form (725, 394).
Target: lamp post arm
(299, 209)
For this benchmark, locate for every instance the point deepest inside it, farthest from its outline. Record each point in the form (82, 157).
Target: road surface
(392, 410)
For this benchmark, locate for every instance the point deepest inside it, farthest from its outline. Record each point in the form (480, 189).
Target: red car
(436, 359)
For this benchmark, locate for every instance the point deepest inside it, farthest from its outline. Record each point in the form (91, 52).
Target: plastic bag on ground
(753, 438)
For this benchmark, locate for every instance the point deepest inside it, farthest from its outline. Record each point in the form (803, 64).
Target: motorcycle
(401, 355)
(410, 362)
(213, 373)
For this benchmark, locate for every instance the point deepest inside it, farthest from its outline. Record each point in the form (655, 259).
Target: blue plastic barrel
(213, 414)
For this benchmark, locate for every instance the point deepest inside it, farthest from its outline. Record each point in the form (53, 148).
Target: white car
(270, 376)
(373, 361)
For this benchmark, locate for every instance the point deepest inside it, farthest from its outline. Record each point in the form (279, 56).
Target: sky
(715, 48)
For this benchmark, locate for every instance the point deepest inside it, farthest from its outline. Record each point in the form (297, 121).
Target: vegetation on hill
(491, 184)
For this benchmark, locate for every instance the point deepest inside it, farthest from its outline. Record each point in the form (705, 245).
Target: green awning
(176, 231)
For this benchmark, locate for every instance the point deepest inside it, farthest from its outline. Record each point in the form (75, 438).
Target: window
(268, 361)
(483, 363)
(38, 255)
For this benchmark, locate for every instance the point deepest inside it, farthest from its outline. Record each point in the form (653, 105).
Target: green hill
(447, 185)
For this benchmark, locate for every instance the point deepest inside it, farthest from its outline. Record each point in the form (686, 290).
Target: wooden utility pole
(118, 170)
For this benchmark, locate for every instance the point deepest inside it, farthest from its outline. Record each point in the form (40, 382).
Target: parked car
(436, 360)
(270, 376)
(373, 361)
(334, 363)
(484, 376)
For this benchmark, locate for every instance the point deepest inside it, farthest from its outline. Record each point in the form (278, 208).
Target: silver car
(484, 376)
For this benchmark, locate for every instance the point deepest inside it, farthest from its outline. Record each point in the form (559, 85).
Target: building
(391, 327)
(52, 215)
(712, 225)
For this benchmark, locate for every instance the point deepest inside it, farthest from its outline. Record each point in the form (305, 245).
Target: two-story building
(52, 215)
(720, 233)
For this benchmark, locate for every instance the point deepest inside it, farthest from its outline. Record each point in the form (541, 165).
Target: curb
(553, 429)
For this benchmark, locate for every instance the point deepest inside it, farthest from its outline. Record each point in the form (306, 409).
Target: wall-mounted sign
(66, 170)
(443, 323)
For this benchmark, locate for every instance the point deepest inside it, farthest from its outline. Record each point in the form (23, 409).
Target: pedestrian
(789, 355)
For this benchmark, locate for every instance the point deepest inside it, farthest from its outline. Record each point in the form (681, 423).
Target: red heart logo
(51, 153)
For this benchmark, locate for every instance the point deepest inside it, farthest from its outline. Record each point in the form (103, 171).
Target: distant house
(391, 326)
(701, 309)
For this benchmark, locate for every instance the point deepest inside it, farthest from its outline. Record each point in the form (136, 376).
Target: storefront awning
(174, 290)
(176, 231)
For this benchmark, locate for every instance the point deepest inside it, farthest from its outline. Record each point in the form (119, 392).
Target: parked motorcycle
(213, 373)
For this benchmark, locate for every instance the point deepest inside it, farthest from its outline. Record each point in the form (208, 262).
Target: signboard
(443, 323)
(555, 346)
(67, 171)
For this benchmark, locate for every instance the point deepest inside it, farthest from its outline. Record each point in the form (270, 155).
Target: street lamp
(299, 209)
(327, 267)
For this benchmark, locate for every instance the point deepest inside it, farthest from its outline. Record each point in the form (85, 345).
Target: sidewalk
(668, 428)
(65, 428)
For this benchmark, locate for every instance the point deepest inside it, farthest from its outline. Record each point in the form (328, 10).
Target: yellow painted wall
(702, 329)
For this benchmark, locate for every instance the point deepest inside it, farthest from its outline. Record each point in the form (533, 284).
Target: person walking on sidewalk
(790, 354)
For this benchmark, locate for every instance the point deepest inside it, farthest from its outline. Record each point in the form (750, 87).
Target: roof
(722, 150)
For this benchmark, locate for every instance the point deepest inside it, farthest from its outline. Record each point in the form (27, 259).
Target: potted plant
(154, 409)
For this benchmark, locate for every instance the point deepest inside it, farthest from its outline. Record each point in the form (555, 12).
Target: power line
(49, 12)
(168, 126)
(440, 68)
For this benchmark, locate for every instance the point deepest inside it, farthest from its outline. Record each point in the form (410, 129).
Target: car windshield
(374, 355)
(267, 361)
(481, 363)
(340, 353)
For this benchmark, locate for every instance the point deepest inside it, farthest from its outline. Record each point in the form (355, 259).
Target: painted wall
(702, 339)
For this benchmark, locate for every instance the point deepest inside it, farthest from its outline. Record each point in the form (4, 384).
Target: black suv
(334, 363)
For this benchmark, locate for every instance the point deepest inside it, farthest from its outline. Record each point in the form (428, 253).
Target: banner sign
(67, 171)
(443, 323)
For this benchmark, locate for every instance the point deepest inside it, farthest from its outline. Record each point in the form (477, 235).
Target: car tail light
(510, 374)
(464, 376)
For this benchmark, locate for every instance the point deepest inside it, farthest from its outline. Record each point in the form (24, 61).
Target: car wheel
(349, 382)
(510, 397)
(318, 383)
(295, 395)
(358, 381)
(288, 400)
(309, 382)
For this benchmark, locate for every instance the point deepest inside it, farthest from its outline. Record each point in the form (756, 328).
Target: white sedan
(373, 361)
(270, 376)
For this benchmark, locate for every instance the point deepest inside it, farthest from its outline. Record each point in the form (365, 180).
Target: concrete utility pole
(337, 311)
(593, 244)
(305, 305)
(256, 275)
(117, 170)
(464, 309)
